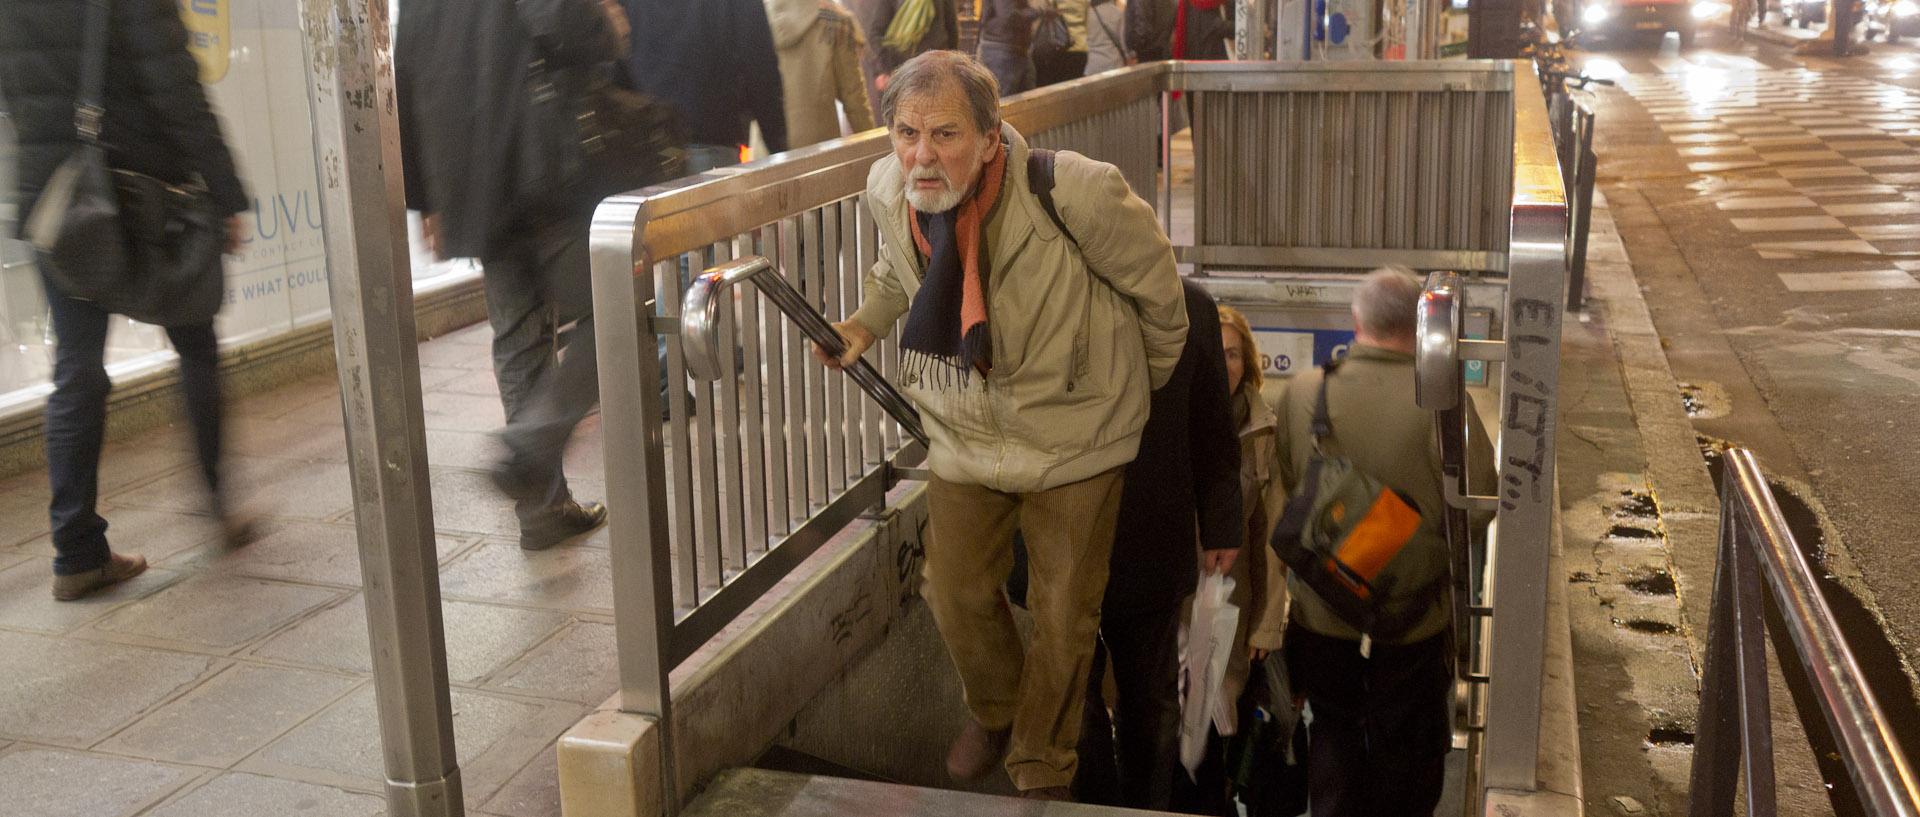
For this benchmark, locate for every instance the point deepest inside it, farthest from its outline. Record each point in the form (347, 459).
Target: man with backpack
(1376, 670)
(1042, 308)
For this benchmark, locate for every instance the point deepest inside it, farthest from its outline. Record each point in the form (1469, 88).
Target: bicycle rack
(700, 311)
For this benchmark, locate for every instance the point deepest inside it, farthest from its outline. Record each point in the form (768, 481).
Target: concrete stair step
(765, 793)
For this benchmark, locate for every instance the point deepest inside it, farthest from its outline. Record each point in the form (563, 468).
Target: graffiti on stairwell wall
(1529, 409)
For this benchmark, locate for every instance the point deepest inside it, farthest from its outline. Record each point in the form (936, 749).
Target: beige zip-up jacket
(1083, 327)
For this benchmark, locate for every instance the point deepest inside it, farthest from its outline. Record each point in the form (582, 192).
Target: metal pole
(357, 144)
(627, 333)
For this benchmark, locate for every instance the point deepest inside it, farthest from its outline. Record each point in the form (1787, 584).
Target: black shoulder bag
(583, 137)
(130, 243)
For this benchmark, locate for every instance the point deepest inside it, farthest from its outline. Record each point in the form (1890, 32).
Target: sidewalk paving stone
(578, 665)
(250, 795)
(286, 440)
(217, 611)
(480, 638)
(49, 783)
(155, 534)
(76, 692)
(533, 792)
(282, 488)
(569, 577)
(466, 501)
(294, 550)
(343, 743)
(230, 716)
(26, 598)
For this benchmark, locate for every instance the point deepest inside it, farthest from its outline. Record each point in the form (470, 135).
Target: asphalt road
(1770, 207)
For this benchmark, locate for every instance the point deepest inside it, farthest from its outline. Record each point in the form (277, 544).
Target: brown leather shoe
(1059, 793)
(119, 568)
(976, 751)
(561, 522)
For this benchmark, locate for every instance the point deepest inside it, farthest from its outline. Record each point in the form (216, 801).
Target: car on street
(1802, 13)
(1893, 19)
(1618, 19)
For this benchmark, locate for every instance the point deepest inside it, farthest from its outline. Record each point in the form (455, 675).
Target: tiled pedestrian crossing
(1821, 168)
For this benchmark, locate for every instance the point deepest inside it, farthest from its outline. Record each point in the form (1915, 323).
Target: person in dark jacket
(942, 31)
(1186, 478)
(713, 61)
(158, 122)
(1149, 29)
(1006, 39)
(461, 72)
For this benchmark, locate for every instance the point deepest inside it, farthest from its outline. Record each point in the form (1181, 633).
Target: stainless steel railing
(1758, 556)
(718, 488)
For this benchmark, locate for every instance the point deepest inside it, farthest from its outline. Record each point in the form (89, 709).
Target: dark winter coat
(460, 67)
(1008, 22)
(1149, 29)
(1187, 471)
(158, 121)
(713, 61)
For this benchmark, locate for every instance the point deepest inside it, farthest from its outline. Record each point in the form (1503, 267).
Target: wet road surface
(1770, 207)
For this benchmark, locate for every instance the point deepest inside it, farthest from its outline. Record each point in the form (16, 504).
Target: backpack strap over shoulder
(1322, 424)
(1040, 163)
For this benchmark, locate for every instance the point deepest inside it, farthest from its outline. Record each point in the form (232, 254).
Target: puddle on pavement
(1632, 532)
(1647, 625)
(1670, 736)
(1879, 661)
(1704, 401)
(1657, 583)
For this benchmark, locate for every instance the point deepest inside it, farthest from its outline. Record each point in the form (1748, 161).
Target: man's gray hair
(1387, 303)
(936, 71)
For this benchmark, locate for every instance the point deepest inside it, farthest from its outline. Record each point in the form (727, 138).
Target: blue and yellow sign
(208, 29)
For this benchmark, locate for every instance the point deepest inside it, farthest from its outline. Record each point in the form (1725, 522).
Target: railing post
(630, 406)
(357, 142)
(1719, 738)
(1536, 281)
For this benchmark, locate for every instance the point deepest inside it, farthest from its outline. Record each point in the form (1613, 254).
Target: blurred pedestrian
(1006, 37)
(1071, 63)
(157, 121)
(1106, 46)
(1203, 29)
(1181, 496)
(713, 61)
(897, 31)
(464, 72)
(819, 44)
(1149, 29)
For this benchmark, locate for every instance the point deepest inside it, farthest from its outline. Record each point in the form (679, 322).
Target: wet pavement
(238, 682)
(1768, 208)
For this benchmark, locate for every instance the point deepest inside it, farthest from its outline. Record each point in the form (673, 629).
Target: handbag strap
(88, 107)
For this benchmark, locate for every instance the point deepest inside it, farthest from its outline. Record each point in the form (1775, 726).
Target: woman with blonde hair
(1261, 494)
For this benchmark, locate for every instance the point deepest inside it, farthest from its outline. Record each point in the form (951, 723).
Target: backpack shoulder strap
(1040, 179)
(1322, 424)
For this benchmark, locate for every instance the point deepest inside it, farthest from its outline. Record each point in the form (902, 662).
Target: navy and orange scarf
(947, 324)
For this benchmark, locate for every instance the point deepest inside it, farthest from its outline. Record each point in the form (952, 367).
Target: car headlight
(1702, 11)
(1595, 14)
(1906, 8)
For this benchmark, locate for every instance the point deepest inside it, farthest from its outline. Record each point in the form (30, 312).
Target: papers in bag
(1209, 648)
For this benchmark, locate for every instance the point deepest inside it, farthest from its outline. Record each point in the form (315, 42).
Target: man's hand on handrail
(852, 335)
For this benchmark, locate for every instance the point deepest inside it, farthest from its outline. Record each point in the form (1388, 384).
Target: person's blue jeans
(540, 304)
(1012, 67)
(76, 420)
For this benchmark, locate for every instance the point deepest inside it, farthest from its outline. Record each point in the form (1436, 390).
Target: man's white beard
(932, 201)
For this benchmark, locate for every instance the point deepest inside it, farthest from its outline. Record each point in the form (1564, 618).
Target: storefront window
(255, 70)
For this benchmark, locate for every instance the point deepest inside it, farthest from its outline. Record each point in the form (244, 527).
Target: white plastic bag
(1209, 647)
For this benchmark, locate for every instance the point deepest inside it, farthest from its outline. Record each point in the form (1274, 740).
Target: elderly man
(1031, 346)
(1381, 703)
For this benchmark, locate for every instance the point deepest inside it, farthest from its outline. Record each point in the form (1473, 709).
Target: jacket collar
(1361, 351)
(1260, 416)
